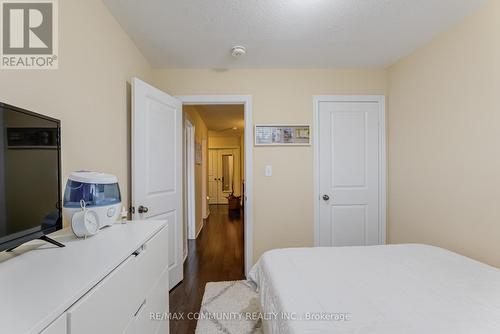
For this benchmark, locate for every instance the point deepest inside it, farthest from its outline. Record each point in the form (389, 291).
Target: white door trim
(190, 194)
(380, 99)
(205, 210)
(246, 101)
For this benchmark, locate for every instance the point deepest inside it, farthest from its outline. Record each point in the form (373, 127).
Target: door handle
(142, 209)
(326, 198)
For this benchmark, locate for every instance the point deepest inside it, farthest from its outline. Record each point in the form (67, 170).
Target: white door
(349, 173)
(157, 165)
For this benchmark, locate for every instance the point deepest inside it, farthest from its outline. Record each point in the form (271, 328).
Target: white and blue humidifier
(98, 192)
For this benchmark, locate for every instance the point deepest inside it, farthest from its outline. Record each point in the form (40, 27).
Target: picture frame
(282, 135)
(198, 153)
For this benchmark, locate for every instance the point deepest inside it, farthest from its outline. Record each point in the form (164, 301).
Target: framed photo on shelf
(282, 135)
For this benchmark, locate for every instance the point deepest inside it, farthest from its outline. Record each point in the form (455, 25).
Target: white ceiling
(284, 33)
(222, 118)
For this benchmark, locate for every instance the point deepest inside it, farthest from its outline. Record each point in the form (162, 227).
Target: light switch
(269, 170)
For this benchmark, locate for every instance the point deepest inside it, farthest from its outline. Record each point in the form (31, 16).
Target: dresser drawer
(155, 302)
(56, 327)
(112, 303)
(109, 306)
(152, 260)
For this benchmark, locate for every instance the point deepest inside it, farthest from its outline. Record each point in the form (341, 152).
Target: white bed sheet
(411, 289)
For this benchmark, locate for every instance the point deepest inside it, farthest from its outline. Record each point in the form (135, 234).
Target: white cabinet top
(39, 281)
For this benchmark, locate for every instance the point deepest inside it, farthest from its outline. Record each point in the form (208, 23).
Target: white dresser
(109, 283)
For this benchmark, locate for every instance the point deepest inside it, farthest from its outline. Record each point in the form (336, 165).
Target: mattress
(376, 289)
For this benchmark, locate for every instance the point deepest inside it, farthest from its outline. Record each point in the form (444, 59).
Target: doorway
(222, 244)
(245, 170)
(350, 168)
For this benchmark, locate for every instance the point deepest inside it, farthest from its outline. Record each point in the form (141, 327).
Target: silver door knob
(142, 209)
(326, 197)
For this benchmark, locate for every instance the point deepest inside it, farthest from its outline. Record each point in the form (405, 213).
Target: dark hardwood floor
(216, 255)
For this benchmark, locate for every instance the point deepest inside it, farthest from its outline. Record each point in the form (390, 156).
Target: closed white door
(349, 173)
(157, 165)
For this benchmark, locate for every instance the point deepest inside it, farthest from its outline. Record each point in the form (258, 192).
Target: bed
(411, 289)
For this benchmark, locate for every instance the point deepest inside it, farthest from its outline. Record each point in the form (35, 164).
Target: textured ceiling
(222, 118)
(284, 33)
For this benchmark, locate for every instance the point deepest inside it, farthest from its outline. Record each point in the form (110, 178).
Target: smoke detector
(238, 51)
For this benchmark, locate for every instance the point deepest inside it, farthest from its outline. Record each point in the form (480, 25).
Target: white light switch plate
(269, 171)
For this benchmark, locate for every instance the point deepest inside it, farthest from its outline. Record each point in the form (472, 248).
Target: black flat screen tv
(30, 176)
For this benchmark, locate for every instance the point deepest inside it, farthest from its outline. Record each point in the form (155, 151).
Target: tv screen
(30, 185)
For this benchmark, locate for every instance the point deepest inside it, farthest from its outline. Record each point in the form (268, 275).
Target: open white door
(157, 165)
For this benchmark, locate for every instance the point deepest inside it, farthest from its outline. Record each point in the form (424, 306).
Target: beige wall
(283, 204)
(201, 133)
(223, 142)
(88, 92)
(444, 141)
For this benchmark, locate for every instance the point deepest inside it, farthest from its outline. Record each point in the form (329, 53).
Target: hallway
(216, 255)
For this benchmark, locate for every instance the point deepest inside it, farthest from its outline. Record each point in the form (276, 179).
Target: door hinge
(132, 209)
